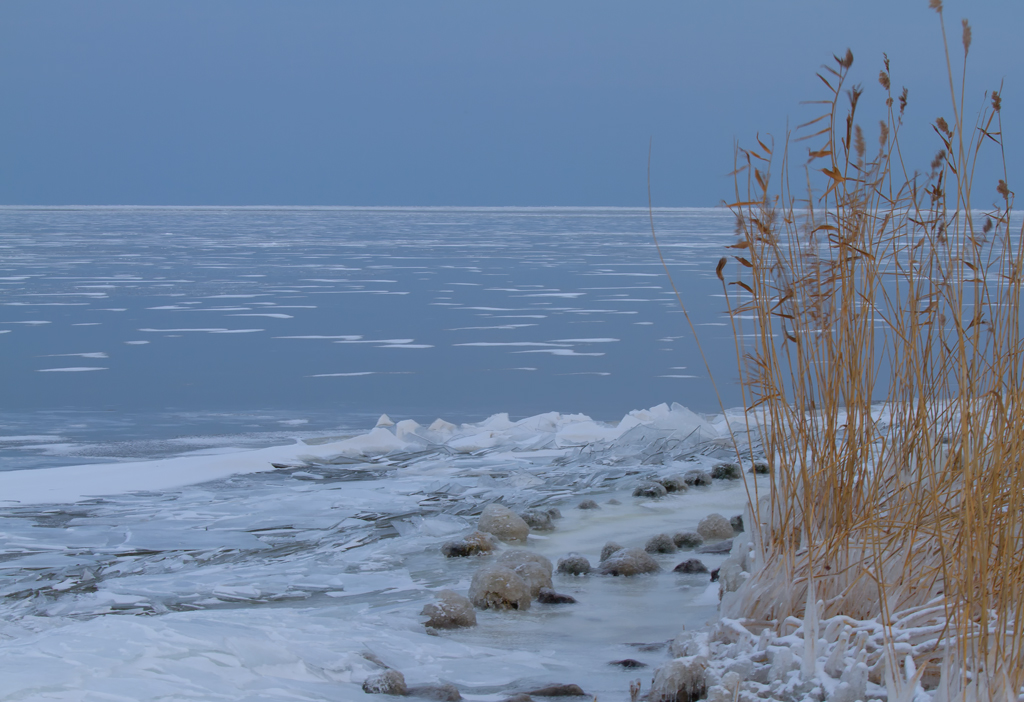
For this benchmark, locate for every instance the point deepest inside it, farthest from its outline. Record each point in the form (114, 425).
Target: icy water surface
(298, 580)
(192, 506)
(137, 332)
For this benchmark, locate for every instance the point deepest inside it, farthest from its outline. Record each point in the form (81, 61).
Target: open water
(132, 332)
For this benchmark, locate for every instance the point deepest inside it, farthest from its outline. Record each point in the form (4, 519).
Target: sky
(465, 103)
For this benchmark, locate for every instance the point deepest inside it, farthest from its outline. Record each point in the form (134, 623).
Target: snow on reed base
(887, 362)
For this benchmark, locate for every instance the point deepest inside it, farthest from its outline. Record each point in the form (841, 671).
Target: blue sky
(247, 102)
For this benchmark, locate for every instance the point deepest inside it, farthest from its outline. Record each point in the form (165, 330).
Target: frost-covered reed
(886, 359)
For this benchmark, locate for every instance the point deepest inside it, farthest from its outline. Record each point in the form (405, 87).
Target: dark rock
(653, 490)
(662, 543)
(608, 549)
(388, 682)
(717, 547)
(714, 575)
(673, 483)
(573, 564)
(629, 663)
(559, 691)
(537, 519)
(629, 561)
(693, 565)
(549, 596)
(687, 539)
(554, 512)
(760, 468)
(587, 504)
(443, 693)
(697, 477)
(726, 471)
(737, 523)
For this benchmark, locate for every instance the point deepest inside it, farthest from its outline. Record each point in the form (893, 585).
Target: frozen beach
(297, 581)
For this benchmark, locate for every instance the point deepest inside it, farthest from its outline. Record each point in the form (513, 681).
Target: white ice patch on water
(90, 354)
(136, 343)
(76, 369)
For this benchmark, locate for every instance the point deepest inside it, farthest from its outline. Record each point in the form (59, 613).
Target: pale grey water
(192, 316)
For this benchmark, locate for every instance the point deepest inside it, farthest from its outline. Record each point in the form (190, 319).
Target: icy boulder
(535, 576)
(388, 682)
(477, 542)
(715, 527)
(680, 680)
(662, 543)
(573, 564)
(538, 519)
(517, 557)
(498, 587)
(451, 611)
(629, 561)
(504, 524)
(608, 549)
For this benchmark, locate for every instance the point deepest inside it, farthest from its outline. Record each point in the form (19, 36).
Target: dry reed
(886, 372)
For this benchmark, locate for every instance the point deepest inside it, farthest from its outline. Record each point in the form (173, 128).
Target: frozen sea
(195, 502)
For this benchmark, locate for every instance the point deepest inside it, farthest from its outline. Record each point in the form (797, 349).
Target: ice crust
(274, 573)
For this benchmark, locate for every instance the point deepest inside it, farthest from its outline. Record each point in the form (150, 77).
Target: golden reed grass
(887, 369)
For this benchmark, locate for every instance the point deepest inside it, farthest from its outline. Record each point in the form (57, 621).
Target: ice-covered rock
(608, 549)
(477, 542)
(498, 587)
(536, 576)
(715, 527)
(650, 489)
(629, 561)
(687, 539)
(587, 504)
(736, 522)
(503, 523)
(662, 543)
(516, 557)
(697, 477)
(726, 471)
(537, 519)
(387, 682)
(680, 680)
(574, 564)
(673, 483)
(451, 611)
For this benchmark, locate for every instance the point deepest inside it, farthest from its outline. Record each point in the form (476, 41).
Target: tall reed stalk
(887, 368)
